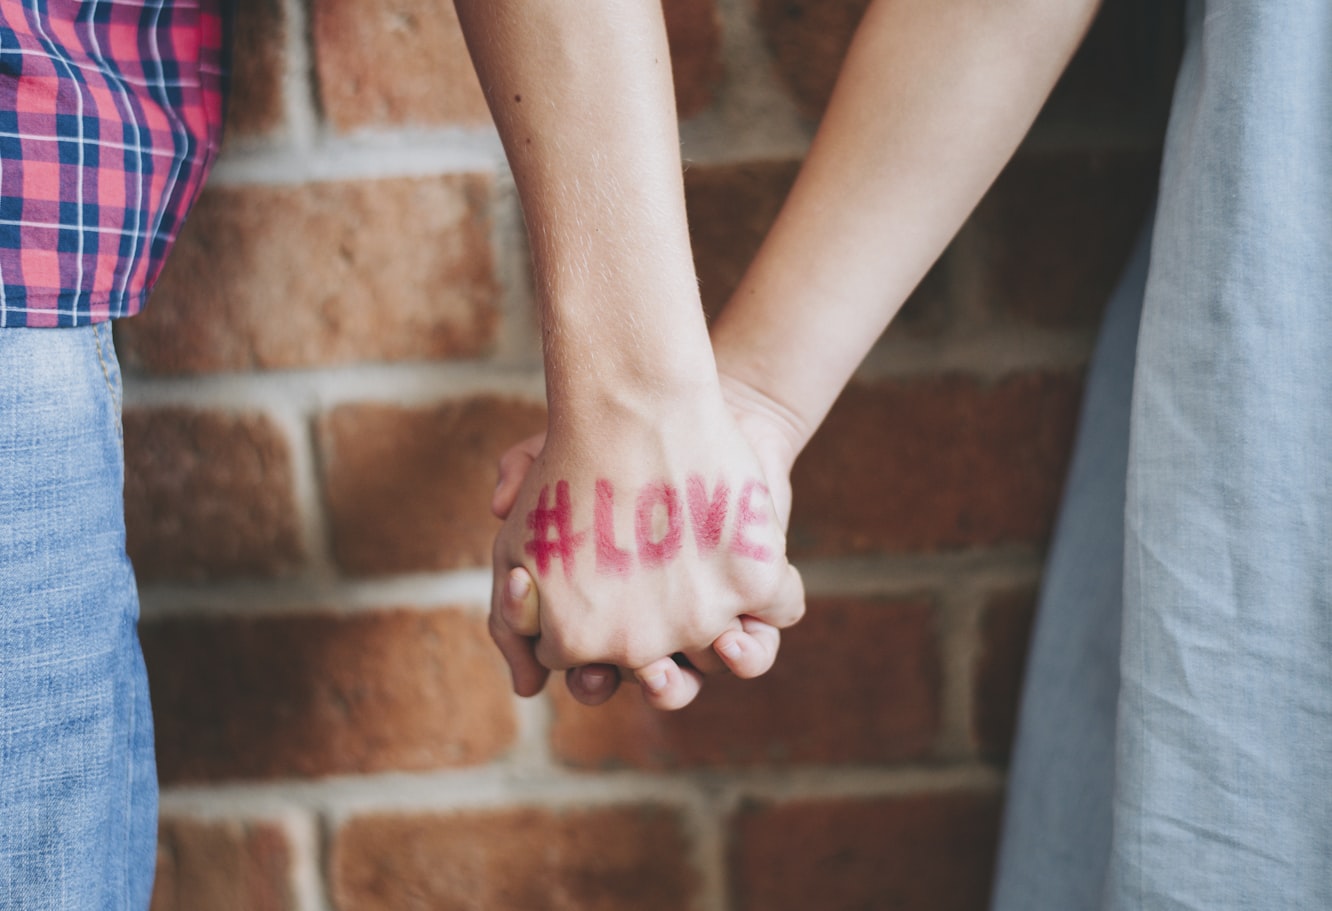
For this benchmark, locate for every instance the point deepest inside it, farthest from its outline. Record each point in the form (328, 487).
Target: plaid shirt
(110, 116)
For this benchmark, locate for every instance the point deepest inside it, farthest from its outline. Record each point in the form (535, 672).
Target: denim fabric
(1056, 835)
(1223, 796)
(78, 791)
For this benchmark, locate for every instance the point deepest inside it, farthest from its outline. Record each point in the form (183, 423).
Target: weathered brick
(731, 208)
(515, 860)
(937, 463)
(1053, 234)
(694, 31)
(857, 681)
(1005, 629)
(431, 81)
(303, 696)
(208, 495)
(324, 273)
(808, 40)
(222, 866)
(408, 489)
(255, 104)
(925, 852)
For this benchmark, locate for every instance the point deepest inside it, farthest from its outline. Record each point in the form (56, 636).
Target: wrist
(779, 374)
(775, 429)
(628, 395)
(644, 360)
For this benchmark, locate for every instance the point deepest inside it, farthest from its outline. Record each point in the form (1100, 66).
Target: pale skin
(932, 100)
(583, 99)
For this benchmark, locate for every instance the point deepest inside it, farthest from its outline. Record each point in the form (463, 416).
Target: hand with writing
(747, 647)
(643, 564)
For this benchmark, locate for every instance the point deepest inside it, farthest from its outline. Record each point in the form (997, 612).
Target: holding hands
(656, 541)
(652, 517)
(647, 522)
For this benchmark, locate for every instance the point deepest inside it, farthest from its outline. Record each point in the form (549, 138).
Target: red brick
(393, 62)
(925, 852)
(856, 681)
(808, 40)
(1054, 233)
(431, 81)
(1005, 630)
(408, 489)
(222, 866)
(694, 31)
(314, 695)
(515, 860)
(931, 464)
(257, 61)
(324, 273)
(731, 208)
(208, 495)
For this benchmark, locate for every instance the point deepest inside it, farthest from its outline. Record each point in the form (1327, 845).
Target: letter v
(708, 516)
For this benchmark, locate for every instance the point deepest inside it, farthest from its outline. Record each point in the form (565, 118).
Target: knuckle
(635, 655)
(572, 647)
(795, 611)
(700, 626)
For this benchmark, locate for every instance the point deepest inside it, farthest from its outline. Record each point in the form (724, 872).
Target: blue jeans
(78, 789)
(1175, 741)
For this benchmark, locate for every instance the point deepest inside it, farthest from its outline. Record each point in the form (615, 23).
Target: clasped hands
(647, 547)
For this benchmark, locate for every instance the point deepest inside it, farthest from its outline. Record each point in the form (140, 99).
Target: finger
(749, 651)
(668, 686)
(513, 467)
(592, 684)
(747, 648)
(520, 603)
(529, 677)
(787, 605)
(705, 660)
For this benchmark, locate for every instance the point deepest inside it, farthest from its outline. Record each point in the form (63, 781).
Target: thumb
(513, 468)
(520, 604)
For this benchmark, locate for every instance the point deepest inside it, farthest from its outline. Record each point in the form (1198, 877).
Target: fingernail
(656, 683)
(595, 680)
(520, 584)
(732, 649)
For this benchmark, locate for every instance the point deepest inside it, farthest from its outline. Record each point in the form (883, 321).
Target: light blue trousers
(78, 789)
(1175, 741)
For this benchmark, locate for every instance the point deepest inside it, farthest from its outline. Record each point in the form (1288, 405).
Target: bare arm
(582, 96)
(932, 100)
(645, 518)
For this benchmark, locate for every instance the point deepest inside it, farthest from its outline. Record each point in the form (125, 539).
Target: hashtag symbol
(545, 520)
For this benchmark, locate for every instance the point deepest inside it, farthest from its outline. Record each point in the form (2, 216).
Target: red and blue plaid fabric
(110, 116)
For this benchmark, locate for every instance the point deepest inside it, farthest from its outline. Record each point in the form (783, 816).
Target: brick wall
(343, 342)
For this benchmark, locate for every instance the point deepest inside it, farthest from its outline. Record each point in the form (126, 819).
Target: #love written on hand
(658, 524)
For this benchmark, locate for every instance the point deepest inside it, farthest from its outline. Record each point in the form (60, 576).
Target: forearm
(932, 101)
(583, 99)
